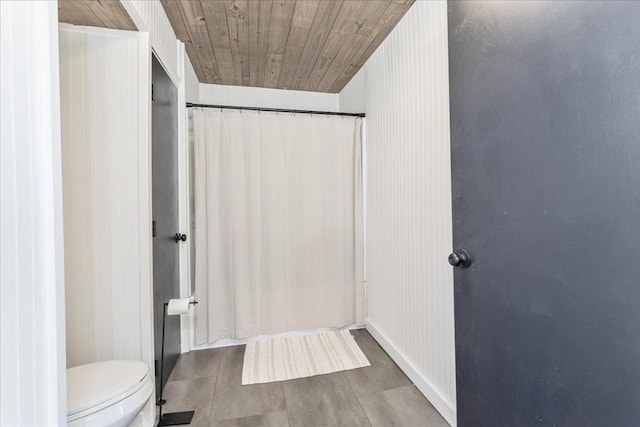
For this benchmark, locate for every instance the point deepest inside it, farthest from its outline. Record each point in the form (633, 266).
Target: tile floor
(209, 382)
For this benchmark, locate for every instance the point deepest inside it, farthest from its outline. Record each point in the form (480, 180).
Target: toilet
(110, 393)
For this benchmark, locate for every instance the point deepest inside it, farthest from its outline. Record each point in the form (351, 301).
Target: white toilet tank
(109, 393)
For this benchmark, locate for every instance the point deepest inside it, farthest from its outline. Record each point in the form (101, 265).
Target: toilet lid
(91, 385)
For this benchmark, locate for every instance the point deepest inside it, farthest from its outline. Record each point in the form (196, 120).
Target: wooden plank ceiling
(95, 13)
(314, 45)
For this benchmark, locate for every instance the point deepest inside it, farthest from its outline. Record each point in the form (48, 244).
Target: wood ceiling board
(387, 22)
(181, 32)
(348, 47)
(351, 47)
(215, 16)
(320, 29)
(264, 23)
(344, 26)
(77, 13)
(95, 13)
(301, 23)
(238, 27)
(196, 26)
(280, 24)
(192, 53)
(315, 45)
(256, 23)
(111, 13)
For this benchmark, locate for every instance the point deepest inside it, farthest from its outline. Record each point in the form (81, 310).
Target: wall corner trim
(135, 16)
(433, 396)
(149, 16)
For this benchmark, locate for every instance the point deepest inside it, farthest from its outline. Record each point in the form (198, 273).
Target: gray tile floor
(209, 382)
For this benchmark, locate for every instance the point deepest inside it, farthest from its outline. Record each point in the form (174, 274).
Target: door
(166, 285)
(545, 137)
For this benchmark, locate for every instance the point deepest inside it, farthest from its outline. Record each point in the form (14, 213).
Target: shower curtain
(278, 222)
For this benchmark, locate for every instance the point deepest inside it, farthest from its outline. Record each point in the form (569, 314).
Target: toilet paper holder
(179, 307)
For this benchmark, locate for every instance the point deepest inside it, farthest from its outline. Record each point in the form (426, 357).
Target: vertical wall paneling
(268, 98)
(32, 353)
(105, 112)
(404, 90)
(148, 15)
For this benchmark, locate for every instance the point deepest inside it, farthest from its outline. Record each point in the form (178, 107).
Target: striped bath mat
(285, 358)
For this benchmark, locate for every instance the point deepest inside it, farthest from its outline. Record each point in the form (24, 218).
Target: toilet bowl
(110, 393)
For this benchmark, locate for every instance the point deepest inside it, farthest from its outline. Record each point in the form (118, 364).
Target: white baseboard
(447, 412)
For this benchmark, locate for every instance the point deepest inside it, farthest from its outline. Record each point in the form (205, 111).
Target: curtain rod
(275, 110)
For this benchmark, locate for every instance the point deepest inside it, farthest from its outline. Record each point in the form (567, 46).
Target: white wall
(192, 85)
(149, 15)
(267, 98)
(353, 97)
(403, 88)
(32, 354)
(106, 149)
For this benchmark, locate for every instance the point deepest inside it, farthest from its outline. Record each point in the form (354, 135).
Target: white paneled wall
(104, 87)
(148, 15)
(267, 98)
(32, 355)
(405, 94)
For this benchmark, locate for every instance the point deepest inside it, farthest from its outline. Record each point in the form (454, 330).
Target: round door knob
(460, 258)
(180, 237)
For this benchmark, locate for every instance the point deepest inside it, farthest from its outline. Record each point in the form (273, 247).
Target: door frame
(184, 205)
(184, 169)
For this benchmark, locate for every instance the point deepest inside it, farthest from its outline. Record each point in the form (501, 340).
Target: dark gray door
(545, 136)
(164, 134)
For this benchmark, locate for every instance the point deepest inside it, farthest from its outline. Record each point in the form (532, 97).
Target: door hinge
(152, 95)
(156, 369)
(154, 231)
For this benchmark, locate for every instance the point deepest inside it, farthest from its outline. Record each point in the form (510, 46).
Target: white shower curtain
(278, 223)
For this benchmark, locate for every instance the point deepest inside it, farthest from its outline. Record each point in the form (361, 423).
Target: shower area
(277, 222)
(277, 268)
